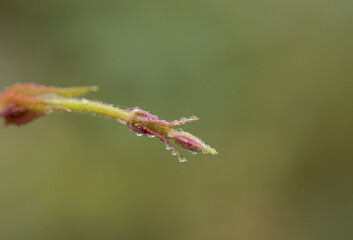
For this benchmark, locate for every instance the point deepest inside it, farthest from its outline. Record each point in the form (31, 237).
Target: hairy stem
(83, 105)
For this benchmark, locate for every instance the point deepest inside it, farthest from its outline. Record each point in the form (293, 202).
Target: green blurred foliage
(271, 82)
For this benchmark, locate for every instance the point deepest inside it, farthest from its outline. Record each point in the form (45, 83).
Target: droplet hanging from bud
(181, 159)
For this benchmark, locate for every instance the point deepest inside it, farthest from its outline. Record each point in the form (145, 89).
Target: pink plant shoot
(23, 103)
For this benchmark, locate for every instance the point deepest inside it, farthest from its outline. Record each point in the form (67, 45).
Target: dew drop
(181, 159)
(173, 153)
(194, 153)
(183, 119)
(138, 134)
(192, 117)
(167, 147)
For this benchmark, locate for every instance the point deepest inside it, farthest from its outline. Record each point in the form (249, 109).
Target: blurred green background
(271, 82)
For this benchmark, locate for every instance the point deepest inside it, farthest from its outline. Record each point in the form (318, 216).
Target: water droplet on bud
(167, 146)
(183, 119)
(150, 135)
(181, 159)
(192, 117)
(138, 134)
(194, 153)
(173, 153)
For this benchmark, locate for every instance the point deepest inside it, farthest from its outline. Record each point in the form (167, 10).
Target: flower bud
(23, 103)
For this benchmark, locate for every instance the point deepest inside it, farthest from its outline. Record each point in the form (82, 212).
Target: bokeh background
(271, 82)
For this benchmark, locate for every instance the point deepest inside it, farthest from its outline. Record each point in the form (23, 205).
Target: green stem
(83, 105)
